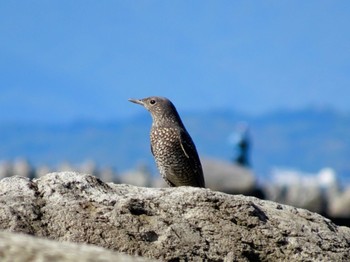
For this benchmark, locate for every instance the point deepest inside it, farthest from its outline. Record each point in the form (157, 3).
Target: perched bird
(171, 145)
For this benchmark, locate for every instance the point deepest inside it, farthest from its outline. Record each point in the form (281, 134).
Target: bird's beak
(136, 101)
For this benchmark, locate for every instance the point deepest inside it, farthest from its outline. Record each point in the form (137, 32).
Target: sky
(63, 60)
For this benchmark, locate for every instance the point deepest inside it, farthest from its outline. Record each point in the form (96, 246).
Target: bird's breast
(166, 146)
(164, 139)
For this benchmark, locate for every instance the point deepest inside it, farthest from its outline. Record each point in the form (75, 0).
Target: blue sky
(63, 60)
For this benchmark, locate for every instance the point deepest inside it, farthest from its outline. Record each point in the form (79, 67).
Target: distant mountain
(307, 139)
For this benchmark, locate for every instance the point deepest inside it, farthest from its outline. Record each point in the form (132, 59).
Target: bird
(173, 149)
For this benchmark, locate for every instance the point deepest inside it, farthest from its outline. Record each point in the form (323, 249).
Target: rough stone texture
(172, 224)
(20, 247)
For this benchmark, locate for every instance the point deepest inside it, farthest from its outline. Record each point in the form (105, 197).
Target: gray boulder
(227, 177)
(172, 224)
(141, 176)
(310, 197)
(24, 248)
(340, 205)
(314, 192)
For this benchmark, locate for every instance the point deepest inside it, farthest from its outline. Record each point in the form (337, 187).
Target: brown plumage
(171, 145)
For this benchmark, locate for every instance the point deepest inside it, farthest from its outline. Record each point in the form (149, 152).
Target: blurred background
(262, 87)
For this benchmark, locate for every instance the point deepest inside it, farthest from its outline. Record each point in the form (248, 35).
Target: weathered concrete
(169, 223)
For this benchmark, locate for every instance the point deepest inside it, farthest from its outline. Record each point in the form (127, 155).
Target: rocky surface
(24, 248)
(172, 224)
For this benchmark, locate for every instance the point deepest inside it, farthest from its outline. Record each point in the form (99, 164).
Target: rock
(21, 167)
(172, 224)
(340, 206)
(313, 192)
(310, 197)
(6, 169)
(228, 178)
(138, 177)
(107, 174)
(20, 247)
(42, 170)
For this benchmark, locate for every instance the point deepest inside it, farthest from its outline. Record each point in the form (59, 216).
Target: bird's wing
(152, 150)
(171, 184)
(190, 152)
(186, 144)
(183, 148)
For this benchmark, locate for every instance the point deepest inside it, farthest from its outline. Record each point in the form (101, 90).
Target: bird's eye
(152, 102)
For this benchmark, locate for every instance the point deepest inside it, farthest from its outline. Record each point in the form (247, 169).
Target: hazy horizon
(183, 112)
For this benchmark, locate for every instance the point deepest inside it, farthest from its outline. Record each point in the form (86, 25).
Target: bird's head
(162, 109)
